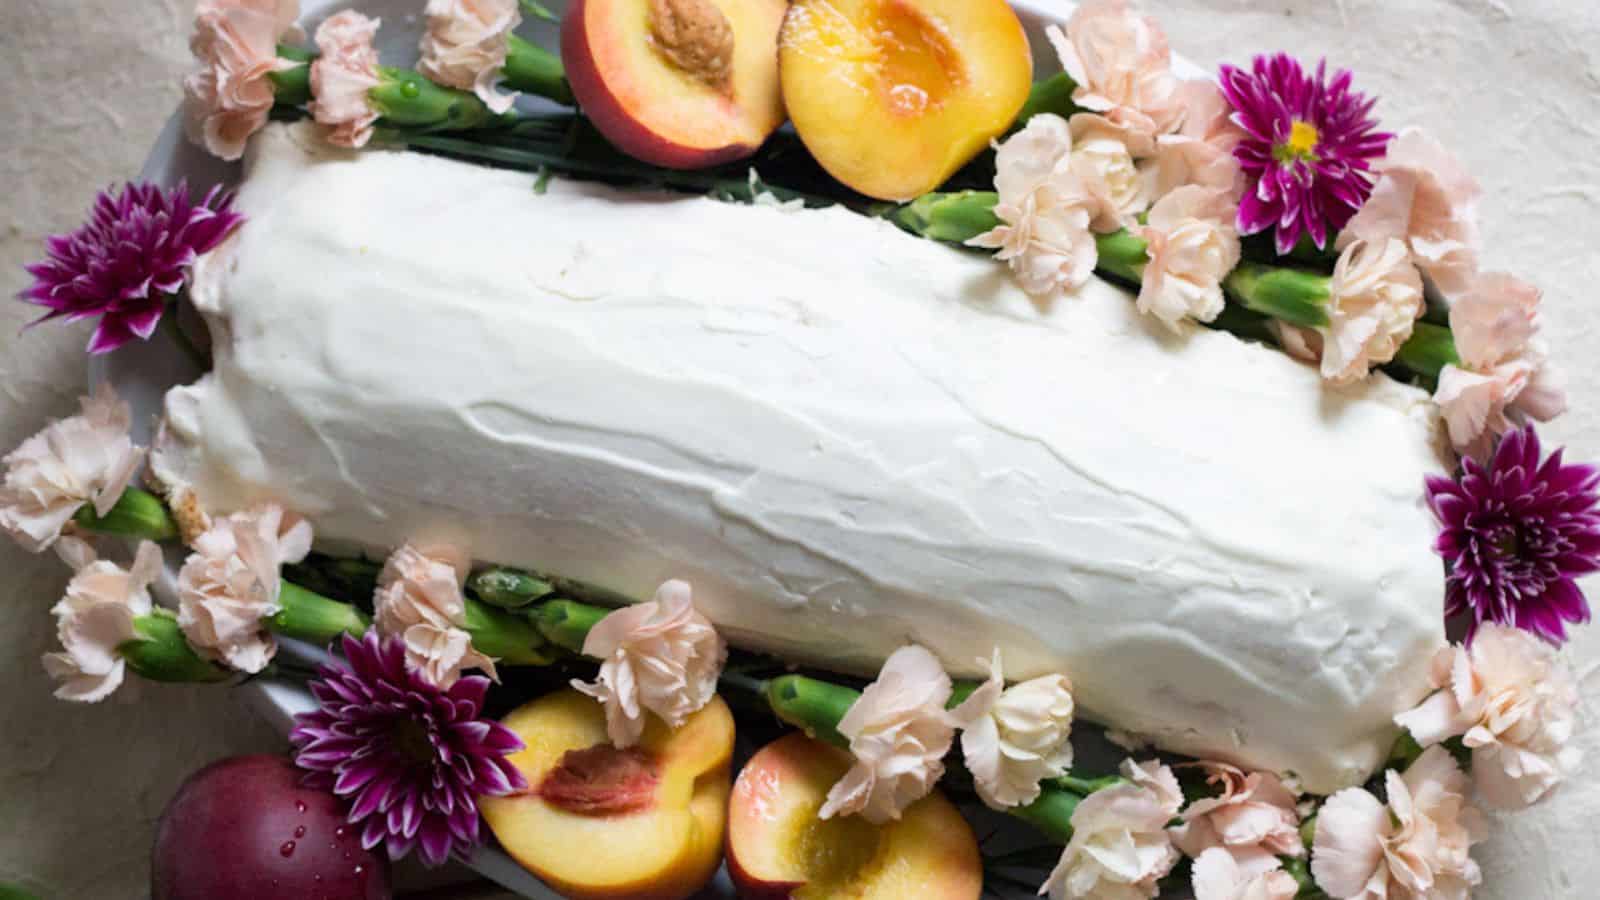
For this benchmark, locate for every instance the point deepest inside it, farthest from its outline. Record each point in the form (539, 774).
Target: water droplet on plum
(287, 850)
(300, 806)
(300, 831)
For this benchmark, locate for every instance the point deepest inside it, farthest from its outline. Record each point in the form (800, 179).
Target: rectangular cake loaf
(846, 438)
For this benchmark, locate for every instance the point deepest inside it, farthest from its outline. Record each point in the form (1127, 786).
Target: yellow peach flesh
(832, 853)
(669, 849)
(920, 68)
(777, 847)
(893, 96)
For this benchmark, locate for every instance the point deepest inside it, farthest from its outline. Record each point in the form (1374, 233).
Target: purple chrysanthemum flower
(126, 262)
(1516, 534)
(409, 757)
(1308, 148)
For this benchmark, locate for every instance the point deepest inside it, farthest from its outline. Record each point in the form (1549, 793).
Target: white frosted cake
(845, 437)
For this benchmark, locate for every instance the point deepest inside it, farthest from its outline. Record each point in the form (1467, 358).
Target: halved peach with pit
(598, 823)
(779, 849)
(680, 83)
(893, 96)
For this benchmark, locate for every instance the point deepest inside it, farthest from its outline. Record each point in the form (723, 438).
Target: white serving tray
(142, 372)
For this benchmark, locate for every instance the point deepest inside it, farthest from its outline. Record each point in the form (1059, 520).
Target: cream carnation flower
(1029, 158)
(1122, 66)
(1427, 198)
(1200, 152)
(1253, 818)
(1374, 299)
(83, 460)
(1120, 848)
(662, 657)
(1415, 848)
(232, 581)
(1045, 238)
(1514, 702)
(1217, 875)
(419, 600)
(1103, 156)
(230, 96)
(1495, 322)
(465, 46)
(95, 617)
(342, 76)
(1193, 245)
(899, 732)
(1013, 738)
(1044, 210)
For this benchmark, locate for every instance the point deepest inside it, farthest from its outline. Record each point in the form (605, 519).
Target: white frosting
(845, 437)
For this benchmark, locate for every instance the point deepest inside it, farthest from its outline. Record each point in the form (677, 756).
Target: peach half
(599, 823)
(779, 849)
(894, 96)
(684, 84)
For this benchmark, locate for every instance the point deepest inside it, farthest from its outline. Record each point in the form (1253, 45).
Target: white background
(1513, 86)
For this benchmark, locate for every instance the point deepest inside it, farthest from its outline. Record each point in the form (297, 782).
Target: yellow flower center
(1302, 143)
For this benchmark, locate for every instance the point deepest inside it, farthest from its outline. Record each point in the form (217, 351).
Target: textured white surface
(1513, 86)
(1072, 485)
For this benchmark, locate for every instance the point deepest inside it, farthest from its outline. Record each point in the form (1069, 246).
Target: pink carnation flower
(232, 582)
(1219, 876)
(1044, 209)
(1014, 738)
(1253, 817)
(419, 600)
(1515, 702)
(1120, 846)
(465, 46)
(661, 657)
(1192, 247)
(1427, 198)
(1502, 372)
(1105, 156)
(1374, 301)
(82, 460)
(96, 617)
(1122, 66)
(230, 96)
(1200, 152)
(1414, 848)
(899, 732)
(342, 76)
